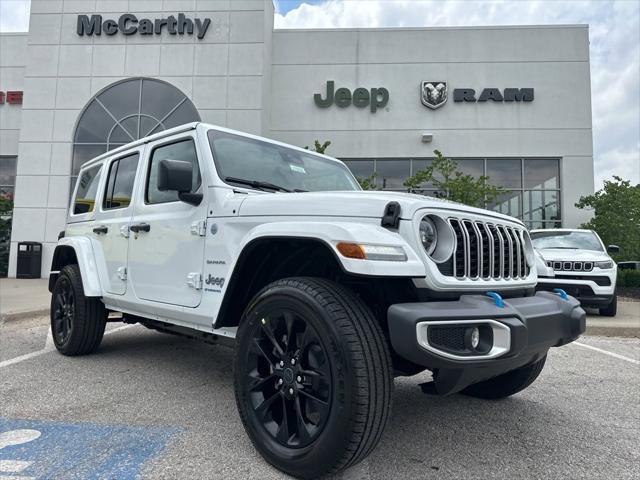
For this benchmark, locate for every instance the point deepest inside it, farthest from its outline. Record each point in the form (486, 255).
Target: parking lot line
(616, 355)
(48, 347)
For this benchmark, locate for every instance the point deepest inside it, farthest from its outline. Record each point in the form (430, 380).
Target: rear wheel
(508, 383)
(612, 309)
(77, 322)
(313, 377)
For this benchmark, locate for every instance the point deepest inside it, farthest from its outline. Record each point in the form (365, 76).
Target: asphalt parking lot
(161, 407)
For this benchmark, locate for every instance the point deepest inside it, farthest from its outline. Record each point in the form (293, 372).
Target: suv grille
(486, 251)
(568, 266)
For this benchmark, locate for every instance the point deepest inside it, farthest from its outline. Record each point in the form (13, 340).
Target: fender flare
(83, 251)
(331, 233)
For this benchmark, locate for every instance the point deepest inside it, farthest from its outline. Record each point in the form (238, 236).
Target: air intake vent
(447, 338)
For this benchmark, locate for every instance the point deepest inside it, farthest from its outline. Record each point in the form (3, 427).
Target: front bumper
(589, 293)
(532, 326)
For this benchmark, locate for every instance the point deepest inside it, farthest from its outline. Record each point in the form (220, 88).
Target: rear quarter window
(86, 191)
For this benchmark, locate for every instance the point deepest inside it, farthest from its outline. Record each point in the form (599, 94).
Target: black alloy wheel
(77, 321)
(289, 378)
(63, 311)
(313, 376)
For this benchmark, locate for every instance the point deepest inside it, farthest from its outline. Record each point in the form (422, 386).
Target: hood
(349, 204)
(565, 254)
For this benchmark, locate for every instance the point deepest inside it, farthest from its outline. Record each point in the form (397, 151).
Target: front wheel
(508, 383)
(612, 309)
(313, 377)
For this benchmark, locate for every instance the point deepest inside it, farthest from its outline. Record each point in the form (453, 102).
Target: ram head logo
(433, 94)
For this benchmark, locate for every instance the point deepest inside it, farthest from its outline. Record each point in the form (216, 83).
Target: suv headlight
(437, 237)
(428, 235)
(604, 265)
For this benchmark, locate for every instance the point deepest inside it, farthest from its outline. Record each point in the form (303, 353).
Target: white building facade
(512, 103)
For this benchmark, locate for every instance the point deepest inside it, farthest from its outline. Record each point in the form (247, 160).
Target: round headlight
(428, 235)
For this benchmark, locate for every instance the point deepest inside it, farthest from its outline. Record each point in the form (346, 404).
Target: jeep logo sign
(129, 24)
(361, 97)
(510, 95)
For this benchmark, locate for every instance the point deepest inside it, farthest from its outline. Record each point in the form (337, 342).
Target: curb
(14, 316)
(633, 332)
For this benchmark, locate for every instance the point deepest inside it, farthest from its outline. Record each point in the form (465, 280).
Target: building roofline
(404, 29)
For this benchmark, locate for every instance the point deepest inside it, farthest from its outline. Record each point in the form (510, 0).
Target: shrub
(628, 278)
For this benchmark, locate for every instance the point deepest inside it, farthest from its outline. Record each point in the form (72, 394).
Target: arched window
(127, 111)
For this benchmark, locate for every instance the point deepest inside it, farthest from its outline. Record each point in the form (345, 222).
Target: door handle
(100, 230)
(140, 227)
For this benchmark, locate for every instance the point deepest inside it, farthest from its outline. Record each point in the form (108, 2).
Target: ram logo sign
(433, 94)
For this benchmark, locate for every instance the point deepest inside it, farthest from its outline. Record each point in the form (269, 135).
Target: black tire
(612, 309)
(508, 383)
(77, 322)
(345, 403)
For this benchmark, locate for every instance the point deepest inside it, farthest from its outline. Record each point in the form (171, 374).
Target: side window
(122, 175)
(87, 189)
(184, 150)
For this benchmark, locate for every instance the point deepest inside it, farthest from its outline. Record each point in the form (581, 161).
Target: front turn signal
(388, 253)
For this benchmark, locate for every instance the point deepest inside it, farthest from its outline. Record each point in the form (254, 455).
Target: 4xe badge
(433, 94)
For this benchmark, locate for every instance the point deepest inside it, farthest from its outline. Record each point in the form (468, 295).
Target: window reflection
(127, 111)
(505, 173)
(533, 183)
(392, 174)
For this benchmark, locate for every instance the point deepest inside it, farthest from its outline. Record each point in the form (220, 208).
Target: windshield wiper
(259, 184)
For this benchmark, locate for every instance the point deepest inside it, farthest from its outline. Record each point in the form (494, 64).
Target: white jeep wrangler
(327, 291)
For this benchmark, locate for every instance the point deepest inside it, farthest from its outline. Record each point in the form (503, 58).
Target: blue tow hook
(497, 298)
(562, 293)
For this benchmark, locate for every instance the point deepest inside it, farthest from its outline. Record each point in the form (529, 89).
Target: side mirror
(176, 176)
(613, 248)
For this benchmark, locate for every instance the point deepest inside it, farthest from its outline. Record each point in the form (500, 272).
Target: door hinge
(122, 273)
(199, 228)
(194, 280)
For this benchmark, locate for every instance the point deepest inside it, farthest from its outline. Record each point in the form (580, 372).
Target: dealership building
(512, 103)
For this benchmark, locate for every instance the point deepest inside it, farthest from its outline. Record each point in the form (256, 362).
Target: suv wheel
(313, 377)
(77, 322)
(508, 383)
(611, 309)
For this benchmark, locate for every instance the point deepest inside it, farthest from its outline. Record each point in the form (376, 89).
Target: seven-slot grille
(567, 266)
(487, 251)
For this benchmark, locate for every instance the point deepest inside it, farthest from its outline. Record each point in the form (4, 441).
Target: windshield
(253, 163)
(567, 240)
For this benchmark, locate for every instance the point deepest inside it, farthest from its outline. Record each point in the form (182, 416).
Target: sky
(614, 34)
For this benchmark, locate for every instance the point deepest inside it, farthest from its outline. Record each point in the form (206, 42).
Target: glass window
(125, 112)
(570, 240)
(392, 174)
(122, 174)
(8, 168)
(541, 174)
(246, 159)
(360, 168)
(185, 151)
(541, 205)
(475, 168)
(87, 190)
(509, 204)
(505, 173)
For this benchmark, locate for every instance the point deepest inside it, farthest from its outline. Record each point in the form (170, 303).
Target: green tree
(452, 184)
(616, 216)
(6, 209)
(320, 147)
(368, 183)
